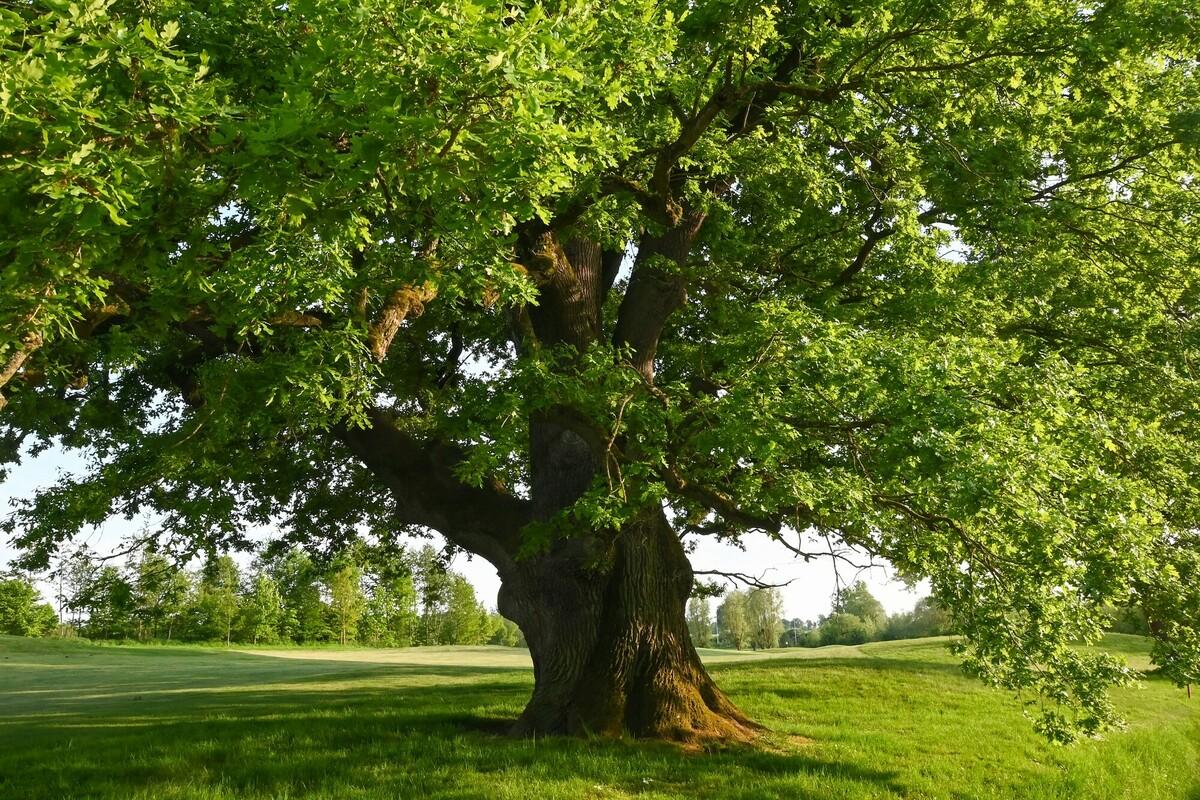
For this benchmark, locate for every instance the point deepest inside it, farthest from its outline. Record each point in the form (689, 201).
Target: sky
(807, 595)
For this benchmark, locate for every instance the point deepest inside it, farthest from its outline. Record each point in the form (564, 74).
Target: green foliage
(1172, 607)
(217, 598)
(298, 579)
(261, 611)
(699, 621)
(927, 618)
(858, 601)
(763, 612)
(465, 620)
(733, 622)
(346, 599)
(845, 628)
(943, 306)
(390, 618)
(160, 595)
(363, 594)
(110, 605)
(505, 632)
(20, 612)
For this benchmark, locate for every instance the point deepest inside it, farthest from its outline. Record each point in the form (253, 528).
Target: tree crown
(915, 279)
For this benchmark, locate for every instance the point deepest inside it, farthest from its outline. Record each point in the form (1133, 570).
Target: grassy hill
(883, 720)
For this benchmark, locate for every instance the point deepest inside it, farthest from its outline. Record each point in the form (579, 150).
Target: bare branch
(752, 581)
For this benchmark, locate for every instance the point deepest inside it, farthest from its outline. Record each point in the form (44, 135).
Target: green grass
(879, 721)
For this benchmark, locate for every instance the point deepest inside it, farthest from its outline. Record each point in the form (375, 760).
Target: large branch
(569, 275)
(34, 339)
(726, 505)
(405, 302)
(28, 345)
(872, 236)
(656, 288)
(421, 477)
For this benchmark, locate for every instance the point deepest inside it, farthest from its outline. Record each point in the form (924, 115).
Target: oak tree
(575, 282)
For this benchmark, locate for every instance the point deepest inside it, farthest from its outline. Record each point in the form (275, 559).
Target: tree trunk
(610, 644)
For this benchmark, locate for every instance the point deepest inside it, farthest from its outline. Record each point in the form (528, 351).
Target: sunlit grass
(878, 721)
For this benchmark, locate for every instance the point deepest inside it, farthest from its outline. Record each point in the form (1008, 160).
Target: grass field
(878, 721)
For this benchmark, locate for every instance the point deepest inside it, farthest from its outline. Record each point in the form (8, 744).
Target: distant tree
(699, 621)
(858, 600)
(261, 611)
(733, 623)
(764, 608)
(1128, 619)
(299, 586)
(218, 596)
(173, 602)
(927, 618)
(160, 593)
(434, 587)
(20, 612)
(390, 616)
(797, 632)
(844, 628)
(810, 638)
(505, 632)
(76, 575)
(110, 605)
(465, 620)
(346, 599)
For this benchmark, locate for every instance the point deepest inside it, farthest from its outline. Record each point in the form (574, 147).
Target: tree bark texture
(610, 645)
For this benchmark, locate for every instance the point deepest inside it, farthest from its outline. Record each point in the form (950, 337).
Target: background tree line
(753, 619)
(367, 595)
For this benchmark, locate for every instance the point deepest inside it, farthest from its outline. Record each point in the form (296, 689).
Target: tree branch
(407, 301)
(421, 476)
(28, 345)
(743, 578)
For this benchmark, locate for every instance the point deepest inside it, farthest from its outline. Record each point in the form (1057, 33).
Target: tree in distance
(21, 611)
(576, 283)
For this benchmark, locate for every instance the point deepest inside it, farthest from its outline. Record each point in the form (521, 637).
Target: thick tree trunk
(610, 645)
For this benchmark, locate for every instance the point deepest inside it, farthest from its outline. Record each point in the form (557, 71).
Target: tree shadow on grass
(389, 731)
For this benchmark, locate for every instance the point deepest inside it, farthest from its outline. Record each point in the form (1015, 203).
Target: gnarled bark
(610, 646)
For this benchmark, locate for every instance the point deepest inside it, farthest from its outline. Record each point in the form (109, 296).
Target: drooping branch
(1118, 165)
(726, 505)
(421, 477)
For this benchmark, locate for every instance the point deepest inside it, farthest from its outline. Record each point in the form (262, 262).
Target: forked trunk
(610, 644)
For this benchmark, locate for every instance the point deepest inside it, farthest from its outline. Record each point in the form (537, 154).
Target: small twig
(743, 578)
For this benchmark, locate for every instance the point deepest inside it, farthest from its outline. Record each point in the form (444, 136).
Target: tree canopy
(918, 279)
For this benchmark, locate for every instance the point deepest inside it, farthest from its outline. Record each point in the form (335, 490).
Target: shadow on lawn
(406, 743)
(438, 740)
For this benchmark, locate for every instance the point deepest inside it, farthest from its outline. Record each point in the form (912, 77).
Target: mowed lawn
(878, 721)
